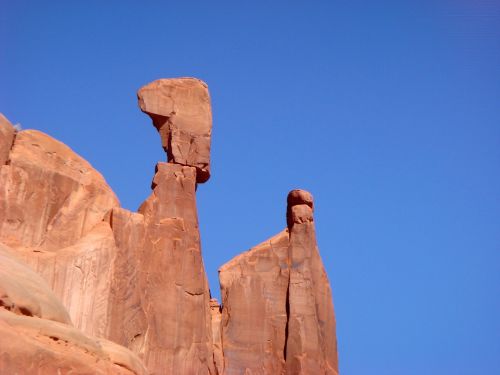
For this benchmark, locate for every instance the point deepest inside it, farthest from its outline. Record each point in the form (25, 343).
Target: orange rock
(254, 317)
(311, 341)
(216, 312)
(128, 321)
(277, 310)
(181, 112)
(36, 335)
(178, 337)
(24, 292)
(7, 133)
(81, 277)
(34, 346)
(49, 196)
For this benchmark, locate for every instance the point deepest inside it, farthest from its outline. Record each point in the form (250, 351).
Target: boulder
(181, 112)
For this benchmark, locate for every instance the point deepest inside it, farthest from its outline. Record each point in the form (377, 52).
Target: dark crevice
(25, 311)
(7, 162)
(287, 306)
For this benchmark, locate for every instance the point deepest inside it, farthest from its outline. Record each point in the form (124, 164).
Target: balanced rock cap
(181, 112)
(300, 207)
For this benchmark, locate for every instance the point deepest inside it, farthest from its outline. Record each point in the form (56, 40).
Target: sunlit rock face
(88, 287)
(181, 112)
(37, 335)
(277, 315)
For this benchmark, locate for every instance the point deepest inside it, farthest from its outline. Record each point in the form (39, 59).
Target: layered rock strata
(277, 315)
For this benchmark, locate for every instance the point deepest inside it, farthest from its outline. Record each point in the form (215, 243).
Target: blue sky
(388, 112)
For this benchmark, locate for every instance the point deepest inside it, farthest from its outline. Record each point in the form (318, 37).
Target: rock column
(173, 332)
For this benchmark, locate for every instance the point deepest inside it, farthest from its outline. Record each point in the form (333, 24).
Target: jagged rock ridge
(89, 287)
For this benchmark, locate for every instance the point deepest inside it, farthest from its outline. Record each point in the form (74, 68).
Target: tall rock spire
(166, 296)
(311, 341)
(277, 310)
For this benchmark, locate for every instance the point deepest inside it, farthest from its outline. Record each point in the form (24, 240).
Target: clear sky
(388, 112)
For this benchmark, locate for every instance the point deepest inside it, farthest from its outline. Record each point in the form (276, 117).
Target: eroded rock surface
(173, 281)
(181, 112)
(24, 292)
(36, 334)
(216, 312)
(49, 196)
(30, 345)
(7, 133)
(69, 255)
(312, 342)
(277, 315)
(254, 316)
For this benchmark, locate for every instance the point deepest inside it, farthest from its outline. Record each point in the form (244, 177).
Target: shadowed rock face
(69, 255)
(181, 112)
(277, 315)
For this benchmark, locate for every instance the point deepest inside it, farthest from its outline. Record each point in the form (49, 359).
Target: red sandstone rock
(216, 313)
(178, 338)
(311, 341)
(24, 292)
(277, 315)
(36, 336)
(138, 278)
(128, 321)
(81, 277)
(35, 346)
(7, 133)
(49, 196)
(181, 112)
(254, 317)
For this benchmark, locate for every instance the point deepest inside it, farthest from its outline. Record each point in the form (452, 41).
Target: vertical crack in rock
(277, 315)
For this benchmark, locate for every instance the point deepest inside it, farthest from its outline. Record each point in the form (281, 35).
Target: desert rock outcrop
(89, 287)
(277, 315)
(181, 112)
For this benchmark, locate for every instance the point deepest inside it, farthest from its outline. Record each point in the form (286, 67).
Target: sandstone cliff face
(254, 317)
(277, 315)
(77, 270)
(311, 343)
(37, 336)
(175, 334)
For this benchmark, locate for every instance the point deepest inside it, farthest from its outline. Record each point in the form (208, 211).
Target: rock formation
(181, 112)
(37, 336)
(277, 314)
(88, 287)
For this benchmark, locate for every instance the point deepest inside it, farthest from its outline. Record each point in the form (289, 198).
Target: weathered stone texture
(216, 312)
(36, 346)
(311, 342)
(128, 322)
(172, 279)
(49, 196)
(254, 317)
(24, 292)
(7, 134)
(277, 314)
(181, 112)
